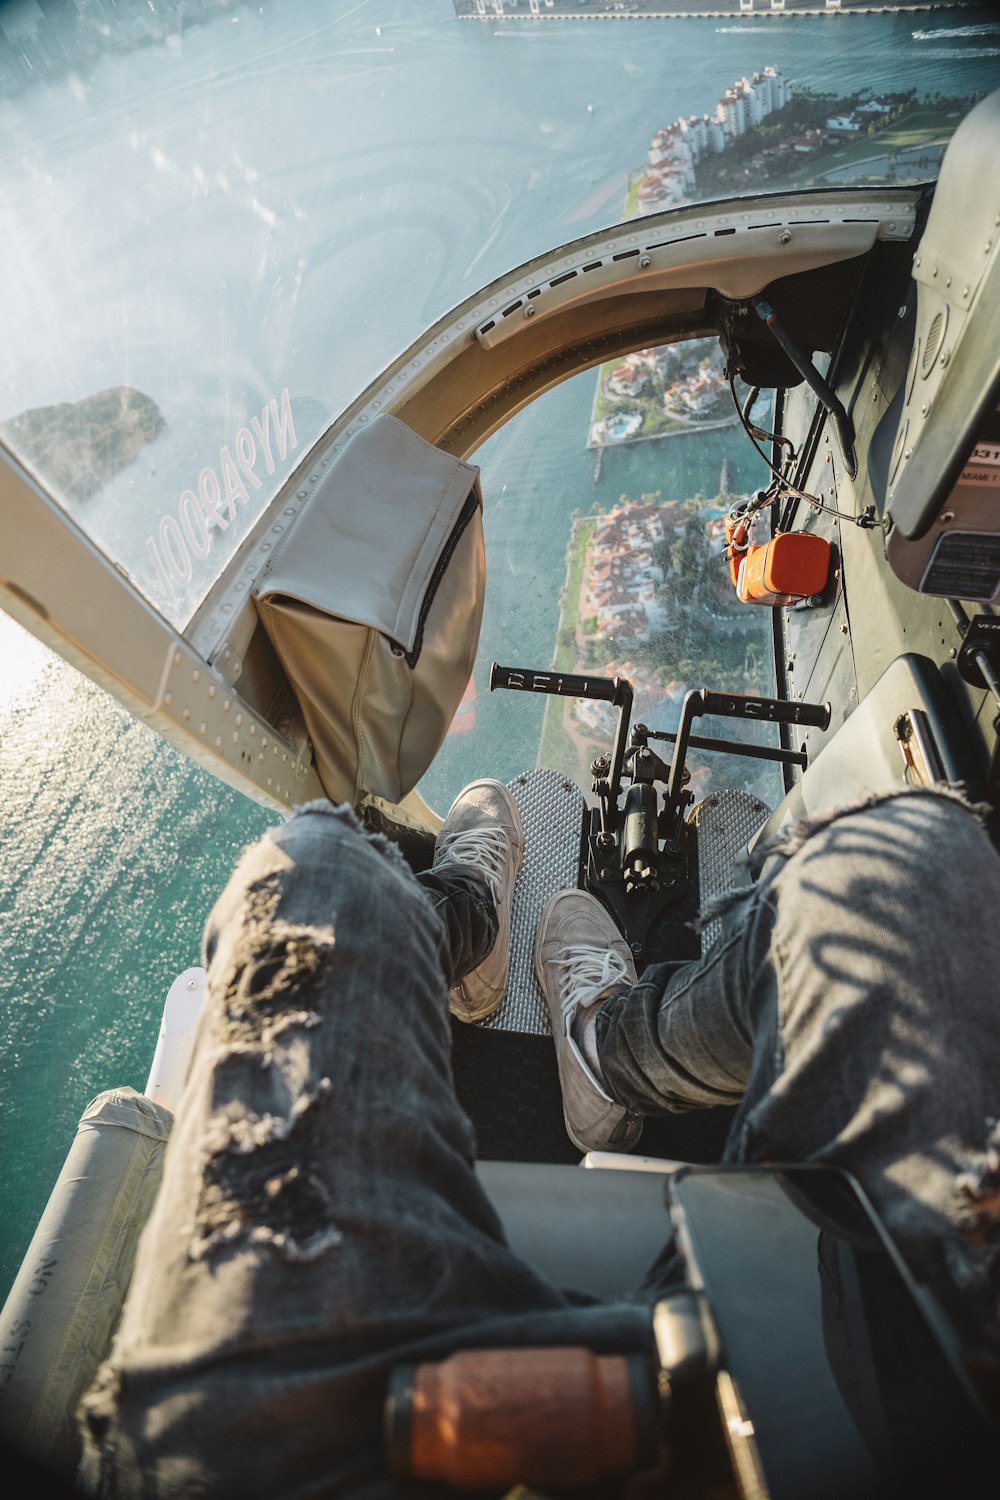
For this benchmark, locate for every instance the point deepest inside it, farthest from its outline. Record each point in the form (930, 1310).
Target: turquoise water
(405, 158)
(619, 427)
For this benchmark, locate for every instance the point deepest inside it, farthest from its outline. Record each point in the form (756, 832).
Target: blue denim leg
(319, 1218)
(851, 1005)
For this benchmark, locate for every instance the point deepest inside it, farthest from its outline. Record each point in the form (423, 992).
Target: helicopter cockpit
(821, 629)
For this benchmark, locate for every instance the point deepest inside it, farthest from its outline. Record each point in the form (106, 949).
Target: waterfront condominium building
(675, 149)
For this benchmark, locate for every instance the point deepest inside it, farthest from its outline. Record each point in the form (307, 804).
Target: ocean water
(282, 198)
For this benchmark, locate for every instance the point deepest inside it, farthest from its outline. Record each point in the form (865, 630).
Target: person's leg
(886, 950)
(691, 1035)
(319, 1218)
(680, 1038)
(850, 1004)
(482, 833)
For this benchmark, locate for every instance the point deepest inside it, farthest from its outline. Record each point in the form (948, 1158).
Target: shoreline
(554, 726)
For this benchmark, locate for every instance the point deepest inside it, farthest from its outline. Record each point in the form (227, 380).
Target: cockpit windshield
(220, 220)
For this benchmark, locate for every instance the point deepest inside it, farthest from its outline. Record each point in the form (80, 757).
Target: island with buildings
(653, 393)
(77, 447)
(670, 176)
(766, 133)
(763, 133)
(646, 598)
(680, 389)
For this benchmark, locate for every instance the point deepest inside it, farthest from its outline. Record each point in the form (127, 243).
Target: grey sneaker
(579, 957)
(483, 829)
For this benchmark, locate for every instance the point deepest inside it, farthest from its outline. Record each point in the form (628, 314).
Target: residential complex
(650, 567)
(620, 583)
(676, 149)
(680, 388)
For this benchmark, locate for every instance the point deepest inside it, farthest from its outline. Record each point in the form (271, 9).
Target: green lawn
(922, 127)
(566, 654)
(633, 209)
(557, 751)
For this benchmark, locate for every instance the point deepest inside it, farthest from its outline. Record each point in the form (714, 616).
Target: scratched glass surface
(220, 220)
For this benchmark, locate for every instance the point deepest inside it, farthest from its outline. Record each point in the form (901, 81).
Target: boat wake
(988, 28)
(950, 54)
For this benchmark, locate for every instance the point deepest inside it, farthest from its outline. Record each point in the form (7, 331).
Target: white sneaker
(483, 829)
(580, 956)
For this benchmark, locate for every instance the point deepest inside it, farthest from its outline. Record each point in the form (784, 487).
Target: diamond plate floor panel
(726, 821)
(505, 1067)
(552, 811)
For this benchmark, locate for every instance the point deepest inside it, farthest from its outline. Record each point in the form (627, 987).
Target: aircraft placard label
(185, 534)
(983, 466)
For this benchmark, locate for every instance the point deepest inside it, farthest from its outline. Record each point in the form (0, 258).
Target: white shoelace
(487, 849)
(589, 973)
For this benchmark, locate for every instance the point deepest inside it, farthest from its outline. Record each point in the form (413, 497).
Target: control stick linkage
(636, 830)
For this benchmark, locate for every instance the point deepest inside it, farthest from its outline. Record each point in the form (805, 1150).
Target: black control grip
(771, 710)
(560, 684)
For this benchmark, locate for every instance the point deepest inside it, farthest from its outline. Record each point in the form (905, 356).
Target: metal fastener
(784, 237)
(645, 262)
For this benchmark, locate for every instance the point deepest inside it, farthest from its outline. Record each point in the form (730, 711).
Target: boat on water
(330, 654)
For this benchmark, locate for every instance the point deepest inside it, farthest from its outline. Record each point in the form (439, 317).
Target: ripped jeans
(320, 1220)
(851, 1009)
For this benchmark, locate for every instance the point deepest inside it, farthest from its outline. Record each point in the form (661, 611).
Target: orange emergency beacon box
(793, 565)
